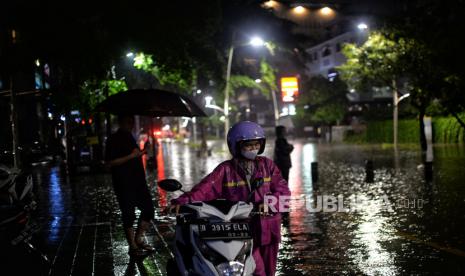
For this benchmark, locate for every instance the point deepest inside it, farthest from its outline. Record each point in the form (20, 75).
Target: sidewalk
(81, 231)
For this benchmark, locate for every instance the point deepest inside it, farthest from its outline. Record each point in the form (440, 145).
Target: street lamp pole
(396, 100)
(226, 90)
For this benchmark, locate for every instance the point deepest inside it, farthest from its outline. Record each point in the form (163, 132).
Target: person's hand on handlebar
(261, 209)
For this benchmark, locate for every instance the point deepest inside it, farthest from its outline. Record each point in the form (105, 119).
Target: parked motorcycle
(212, 238)
(16, 229)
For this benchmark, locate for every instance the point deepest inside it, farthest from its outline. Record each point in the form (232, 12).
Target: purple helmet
(245, 131)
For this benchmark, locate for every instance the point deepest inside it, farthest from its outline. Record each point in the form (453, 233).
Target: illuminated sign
(289, 89)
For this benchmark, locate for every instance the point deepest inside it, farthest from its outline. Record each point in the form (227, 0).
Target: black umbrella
(150, 102)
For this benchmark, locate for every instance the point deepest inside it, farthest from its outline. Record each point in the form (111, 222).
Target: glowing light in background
(299, 10)
(362, 26)
(257, 41)
(326, 11)
(270, 4)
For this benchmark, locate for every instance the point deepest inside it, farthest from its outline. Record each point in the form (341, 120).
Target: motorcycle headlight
(230, 269)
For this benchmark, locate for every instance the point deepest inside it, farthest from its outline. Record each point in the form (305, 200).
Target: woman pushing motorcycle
(247, 177)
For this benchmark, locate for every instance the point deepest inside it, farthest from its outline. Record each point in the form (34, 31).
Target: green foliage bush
(445, 130)
(448, 130)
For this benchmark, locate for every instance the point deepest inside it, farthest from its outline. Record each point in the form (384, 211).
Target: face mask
(249, 154)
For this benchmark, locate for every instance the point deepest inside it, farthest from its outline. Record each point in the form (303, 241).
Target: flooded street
(398, 224)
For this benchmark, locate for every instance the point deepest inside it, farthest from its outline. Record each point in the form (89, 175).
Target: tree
(323, 102)
(434, 70)
(383, 61)
(268, 77)
(95, 91)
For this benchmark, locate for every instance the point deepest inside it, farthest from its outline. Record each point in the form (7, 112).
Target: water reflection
(368, 253)
(365, 242)
(368, 241)
(56, 207)
(162, 200)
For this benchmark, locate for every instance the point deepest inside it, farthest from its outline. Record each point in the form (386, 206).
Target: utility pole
(13, 115)
(14, 126)
(275, 107)
(226, 90)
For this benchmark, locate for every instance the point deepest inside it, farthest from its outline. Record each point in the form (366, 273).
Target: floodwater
(400, 223)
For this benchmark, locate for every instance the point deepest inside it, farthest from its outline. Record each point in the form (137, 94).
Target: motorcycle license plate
(226, 230)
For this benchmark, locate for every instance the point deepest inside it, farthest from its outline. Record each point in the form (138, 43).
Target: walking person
(124, 158)
(247, 177)
(282, 152)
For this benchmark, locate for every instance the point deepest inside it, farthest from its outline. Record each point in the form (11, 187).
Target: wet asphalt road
(400, 224)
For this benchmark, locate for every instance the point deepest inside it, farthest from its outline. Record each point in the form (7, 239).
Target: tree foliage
(268, 77)
(324, 101)
(437, 72)
(94, 91)
(166, 76)
(380, 61)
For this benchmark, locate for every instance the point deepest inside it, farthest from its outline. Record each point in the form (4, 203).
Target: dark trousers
(128, 201)
(285, 173)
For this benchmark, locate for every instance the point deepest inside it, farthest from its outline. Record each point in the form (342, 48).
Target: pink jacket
(228, 181)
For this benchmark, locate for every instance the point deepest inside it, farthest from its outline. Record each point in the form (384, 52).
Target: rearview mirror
(170, 185)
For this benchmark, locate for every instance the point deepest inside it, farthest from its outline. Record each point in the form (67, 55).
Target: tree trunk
(395, 118)
(14, 125)
(461, 123)
(421, 116)
(395, 115)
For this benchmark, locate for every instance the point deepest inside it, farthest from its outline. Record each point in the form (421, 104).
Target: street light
(299, 9)
(396, 113)
(326, 11)
(208, 104)
(362, 26)
(256, 42)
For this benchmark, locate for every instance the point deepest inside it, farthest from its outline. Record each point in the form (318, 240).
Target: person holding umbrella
(124, 158)
(123, 155)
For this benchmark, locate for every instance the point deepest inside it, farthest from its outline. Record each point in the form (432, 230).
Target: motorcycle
(212, 238)
(16, 229)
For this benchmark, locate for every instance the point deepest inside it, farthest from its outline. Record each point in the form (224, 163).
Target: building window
(338, 47)
(326, 52)
(315, 56)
